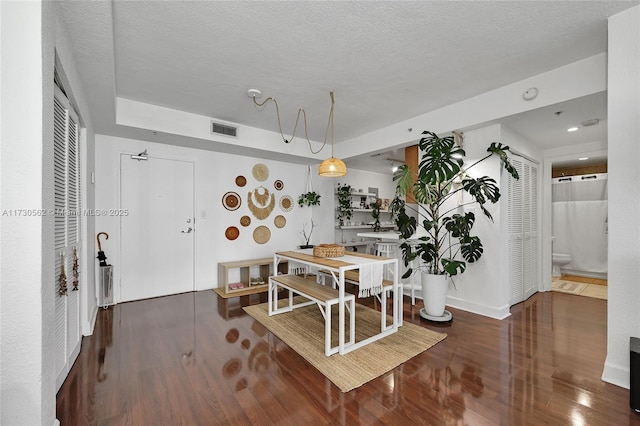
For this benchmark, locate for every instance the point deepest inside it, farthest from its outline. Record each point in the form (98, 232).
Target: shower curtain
(580, 222)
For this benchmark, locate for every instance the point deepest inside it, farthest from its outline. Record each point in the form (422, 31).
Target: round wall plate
(231, 200)
(232, 233)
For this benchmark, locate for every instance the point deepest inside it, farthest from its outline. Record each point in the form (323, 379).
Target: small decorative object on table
(306, 236)
(328, 250)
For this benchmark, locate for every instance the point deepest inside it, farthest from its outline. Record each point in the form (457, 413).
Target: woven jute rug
(303, 331)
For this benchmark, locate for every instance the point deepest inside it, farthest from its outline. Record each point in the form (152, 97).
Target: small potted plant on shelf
(447, 243)
(307, 237)
(375, 213)
(345, 209)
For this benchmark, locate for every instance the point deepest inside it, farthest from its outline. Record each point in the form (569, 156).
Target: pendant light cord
(304, 114)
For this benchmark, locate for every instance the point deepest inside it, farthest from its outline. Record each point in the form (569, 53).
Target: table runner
(370, 280)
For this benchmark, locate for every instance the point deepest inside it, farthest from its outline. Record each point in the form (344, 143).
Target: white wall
(27, 387)
(68, 72)
(360, 179)
(484, 288)
(215, 175)
(518, 144)
(27, 377)
(478, 288)
(624, 199)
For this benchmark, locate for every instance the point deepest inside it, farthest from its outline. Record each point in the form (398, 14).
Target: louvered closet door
(530, 255)
(522, 217)
(67, 234)
(516, 227)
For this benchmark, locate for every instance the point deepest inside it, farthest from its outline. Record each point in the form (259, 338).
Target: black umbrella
(101, 256)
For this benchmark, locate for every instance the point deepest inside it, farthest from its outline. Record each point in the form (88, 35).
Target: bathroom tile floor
(586, 280)
(580, 286)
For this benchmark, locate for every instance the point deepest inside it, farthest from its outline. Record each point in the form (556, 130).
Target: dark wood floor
(197, 359)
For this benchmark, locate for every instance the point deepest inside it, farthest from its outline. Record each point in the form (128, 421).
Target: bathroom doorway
(579, 228)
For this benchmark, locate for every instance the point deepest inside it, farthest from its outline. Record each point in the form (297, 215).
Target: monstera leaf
(471, 249)
(501, 151)
(441, 159)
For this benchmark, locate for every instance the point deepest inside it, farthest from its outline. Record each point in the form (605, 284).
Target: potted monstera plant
(445, 243)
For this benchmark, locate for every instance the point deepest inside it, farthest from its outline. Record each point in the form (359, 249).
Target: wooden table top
(328, 262)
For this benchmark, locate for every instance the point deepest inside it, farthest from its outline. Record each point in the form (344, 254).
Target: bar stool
(415, 274)
(385, 249)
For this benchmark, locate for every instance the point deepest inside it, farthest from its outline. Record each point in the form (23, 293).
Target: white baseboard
(87, 328)
(499, 313)
(56, 422)
(206, 285)
(587, 274)
(616, 375)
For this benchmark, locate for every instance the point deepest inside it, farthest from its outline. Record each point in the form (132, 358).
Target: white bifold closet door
(66, 180)
(522, 217)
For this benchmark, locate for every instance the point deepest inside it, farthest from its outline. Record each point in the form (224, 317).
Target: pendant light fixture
(332, 167)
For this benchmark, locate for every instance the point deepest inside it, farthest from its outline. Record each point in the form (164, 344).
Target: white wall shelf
(364, 227)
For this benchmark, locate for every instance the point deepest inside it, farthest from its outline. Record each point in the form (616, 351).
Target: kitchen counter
(390, 235)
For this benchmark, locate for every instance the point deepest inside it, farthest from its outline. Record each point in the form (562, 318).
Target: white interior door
(522, 218)
(157, 234)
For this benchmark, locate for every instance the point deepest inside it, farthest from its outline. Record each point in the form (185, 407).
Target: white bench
(353, 277)
(323, 296)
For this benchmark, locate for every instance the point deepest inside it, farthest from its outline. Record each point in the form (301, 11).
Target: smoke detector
(530, 94)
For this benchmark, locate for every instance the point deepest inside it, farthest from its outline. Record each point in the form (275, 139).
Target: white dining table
(337, 267)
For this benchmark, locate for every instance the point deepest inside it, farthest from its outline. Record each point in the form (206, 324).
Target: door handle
(187, 231)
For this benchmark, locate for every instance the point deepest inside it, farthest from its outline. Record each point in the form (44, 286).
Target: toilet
(559, 260)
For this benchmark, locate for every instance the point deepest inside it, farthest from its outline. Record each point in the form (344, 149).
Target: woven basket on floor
(328, 250)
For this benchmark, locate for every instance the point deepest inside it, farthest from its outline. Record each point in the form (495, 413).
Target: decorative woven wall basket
(328, 250)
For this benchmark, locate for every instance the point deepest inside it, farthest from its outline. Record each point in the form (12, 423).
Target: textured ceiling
(386, 61)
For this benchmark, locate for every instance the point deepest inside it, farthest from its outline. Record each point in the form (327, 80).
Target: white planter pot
(434, 293)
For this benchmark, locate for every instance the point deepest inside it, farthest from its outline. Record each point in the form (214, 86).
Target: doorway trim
(130, 156)
(570, 153)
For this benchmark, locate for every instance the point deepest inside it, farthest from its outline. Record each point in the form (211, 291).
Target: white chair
(415, 274)
(385, 249)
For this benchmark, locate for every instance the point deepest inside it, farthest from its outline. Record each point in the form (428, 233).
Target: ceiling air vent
(224, 129)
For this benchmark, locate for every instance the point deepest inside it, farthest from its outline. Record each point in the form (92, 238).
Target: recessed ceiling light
(583, 158)
(572, 129)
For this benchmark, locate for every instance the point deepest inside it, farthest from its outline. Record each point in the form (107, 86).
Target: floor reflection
(104, 338)
(197, 358)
